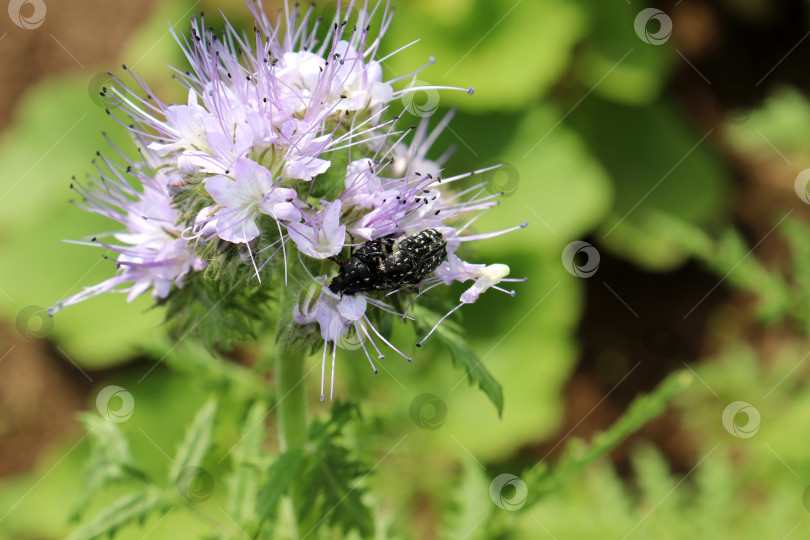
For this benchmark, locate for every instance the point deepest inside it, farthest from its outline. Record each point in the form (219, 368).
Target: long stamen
(493, 234)
(380, 355)
(332, 386)
(419, 343)
(323, 365)
(510, 293)
(405, 356)
(370, 361)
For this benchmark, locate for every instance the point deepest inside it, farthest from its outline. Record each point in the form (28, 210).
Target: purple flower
(336, 316)
(152, 253)
(244, 172)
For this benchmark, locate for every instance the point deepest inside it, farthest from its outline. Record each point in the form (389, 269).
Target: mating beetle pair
(390, 261)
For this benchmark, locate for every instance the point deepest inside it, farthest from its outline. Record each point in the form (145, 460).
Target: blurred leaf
(247, 458)
(109, 445)
(110, 459)
(577, 456)
(730, 257)
(483, 44)
(637, 70)
(782, 122)
(676, 172)
(561, 188)
(797, 234)
(734, 487)
(468, 506)
(197, 363)
(543, 480)
(134, 507)
(196, 443)
(282, 476)
(329, 488)
(654, 477)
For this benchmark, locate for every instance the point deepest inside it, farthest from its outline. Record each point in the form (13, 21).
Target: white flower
(321, 235)
(489, 276)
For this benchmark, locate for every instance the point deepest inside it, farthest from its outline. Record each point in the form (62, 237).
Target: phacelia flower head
(288, 167)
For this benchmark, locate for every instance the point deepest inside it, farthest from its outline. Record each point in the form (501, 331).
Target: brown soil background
(40, 391)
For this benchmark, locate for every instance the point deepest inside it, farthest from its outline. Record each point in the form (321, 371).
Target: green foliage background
(577, 107)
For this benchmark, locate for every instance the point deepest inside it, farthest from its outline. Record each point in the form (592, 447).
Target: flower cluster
(287, 151)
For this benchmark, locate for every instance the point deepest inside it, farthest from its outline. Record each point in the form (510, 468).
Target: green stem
(291, 396)
(291, 414)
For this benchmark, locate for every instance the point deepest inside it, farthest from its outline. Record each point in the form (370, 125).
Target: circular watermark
(734, 115)
(731, 416)
(576, 250)
(195, 484)
(100, 86)
(508, 492)
(504, 180)
(428, 411)
(645, 26)
(27, 14)
(801, 184)
(349, 339)
(115, 404)
(34, 323)
(421, 100)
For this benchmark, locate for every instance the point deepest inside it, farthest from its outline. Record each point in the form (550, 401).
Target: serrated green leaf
(333, 481)
(217, 313)
(243, 481)
(107, 439)
(280, 479)
(730, 255)
(330, 485)
(123, 511)
(324, 478)
(577, 456)
(110, 459)
(196, 443)
(450, 334)
(468, 505)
